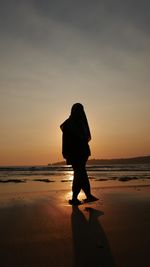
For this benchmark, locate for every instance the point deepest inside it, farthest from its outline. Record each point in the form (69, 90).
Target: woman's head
(78, 117)
(77, 111)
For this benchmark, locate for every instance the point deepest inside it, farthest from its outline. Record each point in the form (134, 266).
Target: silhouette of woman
(76, 150)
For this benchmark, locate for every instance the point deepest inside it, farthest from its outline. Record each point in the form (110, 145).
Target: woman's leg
(85, 181)
(76, 185)
(86, 184)
(80, 180)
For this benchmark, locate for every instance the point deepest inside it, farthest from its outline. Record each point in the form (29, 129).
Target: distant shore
(134, 160)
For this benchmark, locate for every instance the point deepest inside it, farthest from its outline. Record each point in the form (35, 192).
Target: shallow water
(37, 178)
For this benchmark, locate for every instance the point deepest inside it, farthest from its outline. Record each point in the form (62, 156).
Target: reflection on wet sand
(91, 247)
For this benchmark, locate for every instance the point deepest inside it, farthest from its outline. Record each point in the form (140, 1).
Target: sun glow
(68, 195)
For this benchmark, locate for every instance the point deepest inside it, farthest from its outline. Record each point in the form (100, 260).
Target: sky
(56, 53)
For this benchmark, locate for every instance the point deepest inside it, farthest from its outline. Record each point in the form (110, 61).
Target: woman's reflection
(91, 246)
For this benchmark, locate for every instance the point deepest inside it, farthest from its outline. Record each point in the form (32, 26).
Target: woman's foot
(74, 202)
(91, 198)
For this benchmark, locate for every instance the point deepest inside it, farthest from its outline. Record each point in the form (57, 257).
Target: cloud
(84, 40)
(95, 20)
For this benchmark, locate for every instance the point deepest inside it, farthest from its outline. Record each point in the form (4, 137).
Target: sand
(42, 229)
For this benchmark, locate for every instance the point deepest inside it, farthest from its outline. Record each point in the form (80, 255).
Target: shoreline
(17, 192)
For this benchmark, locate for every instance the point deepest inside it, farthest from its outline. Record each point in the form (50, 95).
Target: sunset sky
(55, 53)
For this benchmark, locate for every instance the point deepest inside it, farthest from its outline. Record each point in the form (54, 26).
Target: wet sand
(42, 229)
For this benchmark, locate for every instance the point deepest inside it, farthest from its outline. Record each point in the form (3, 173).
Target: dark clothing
(80, 180)
(75, 148)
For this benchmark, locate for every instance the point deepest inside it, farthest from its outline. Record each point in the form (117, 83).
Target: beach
(40, 228)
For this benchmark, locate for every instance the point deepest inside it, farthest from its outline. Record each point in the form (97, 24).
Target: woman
(75, 149)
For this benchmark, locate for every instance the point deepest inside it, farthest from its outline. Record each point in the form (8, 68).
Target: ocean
(64, 173)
